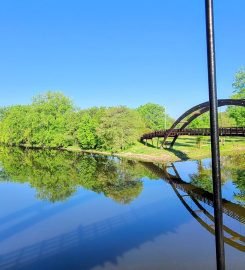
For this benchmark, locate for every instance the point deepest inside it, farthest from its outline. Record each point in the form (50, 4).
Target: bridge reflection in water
(89, 240)
(196, 194)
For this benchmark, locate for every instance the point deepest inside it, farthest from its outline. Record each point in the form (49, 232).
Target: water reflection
(232, 168)
(198, 198)
(95, 244)
(56, 176)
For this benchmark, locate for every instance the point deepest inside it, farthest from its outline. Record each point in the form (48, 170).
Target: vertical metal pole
(219, 237)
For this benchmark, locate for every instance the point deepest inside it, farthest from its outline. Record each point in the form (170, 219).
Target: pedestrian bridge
(186, 118)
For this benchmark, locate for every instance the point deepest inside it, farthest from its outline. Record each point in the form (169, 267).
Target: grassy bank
(185, 148)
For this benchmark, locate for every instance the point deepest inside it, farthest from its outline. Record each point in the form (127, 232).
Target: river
(61, 210)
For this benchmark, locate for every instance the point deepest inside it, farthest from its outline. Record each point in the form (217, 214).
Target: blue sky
(127, 52)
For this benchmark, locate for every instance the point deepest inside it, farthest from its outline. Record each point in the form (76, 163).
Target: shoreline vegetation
(52, 121)
(186, 148)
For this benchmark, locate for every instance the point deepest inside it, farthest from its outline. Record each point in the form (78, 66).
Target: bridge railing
(227, 131)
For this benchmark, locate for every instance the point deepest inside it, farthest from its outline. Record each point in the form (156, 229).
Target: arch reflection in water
(195, 194)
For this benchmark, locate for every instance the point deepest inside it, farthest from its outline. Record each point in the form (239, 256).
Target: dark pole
(219, 237)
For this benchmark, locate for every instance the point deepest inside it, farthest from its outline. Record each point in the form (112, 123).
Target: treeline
(52, 120)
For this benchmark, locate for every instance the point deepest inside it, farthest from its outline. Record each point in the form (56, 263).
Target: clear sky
(111, 52)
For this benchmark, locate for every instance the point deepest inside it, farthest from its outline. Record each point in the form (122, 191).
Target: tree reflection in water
(56, 175)
(232, 168)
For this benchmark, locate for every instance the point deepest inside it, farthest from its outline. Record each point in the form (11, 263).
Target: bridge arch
(195, 112)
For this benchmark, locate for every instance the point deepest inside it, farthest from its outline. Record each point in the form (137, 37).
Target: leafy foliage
(238, 113)
(52, 121)
(50, 115)
(43, 123)
(86, 132)
(203, 121)
(225, 120)
(120, 127)
(154, 116)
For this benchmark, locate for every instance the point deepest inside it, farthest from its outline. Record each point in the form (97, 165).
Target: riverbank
(186, 148)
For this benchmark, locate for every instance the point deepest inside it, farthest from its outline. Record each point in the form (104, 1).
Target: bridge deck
(228, 131)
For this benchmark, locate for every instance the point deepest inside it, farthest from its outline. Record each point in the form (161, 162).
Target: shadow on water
(33, 215)
(95, 244)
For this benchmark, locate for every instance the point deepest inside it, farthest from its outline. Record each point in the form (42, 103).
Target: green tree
(238, 113)
(50, 115)
(120, 127)
(46, 122)
(86, 132)
(87, 123)
(154, 116)
(14, 127)
(239, 83)
(225, 120)
(203, 121)
(3, 112)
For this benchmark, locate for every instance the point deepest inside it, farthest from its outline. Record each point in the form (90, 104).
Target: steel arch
(196, 111)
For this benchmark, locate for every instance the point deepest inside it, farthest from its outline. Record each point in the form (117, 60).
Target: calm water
(72, 211)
